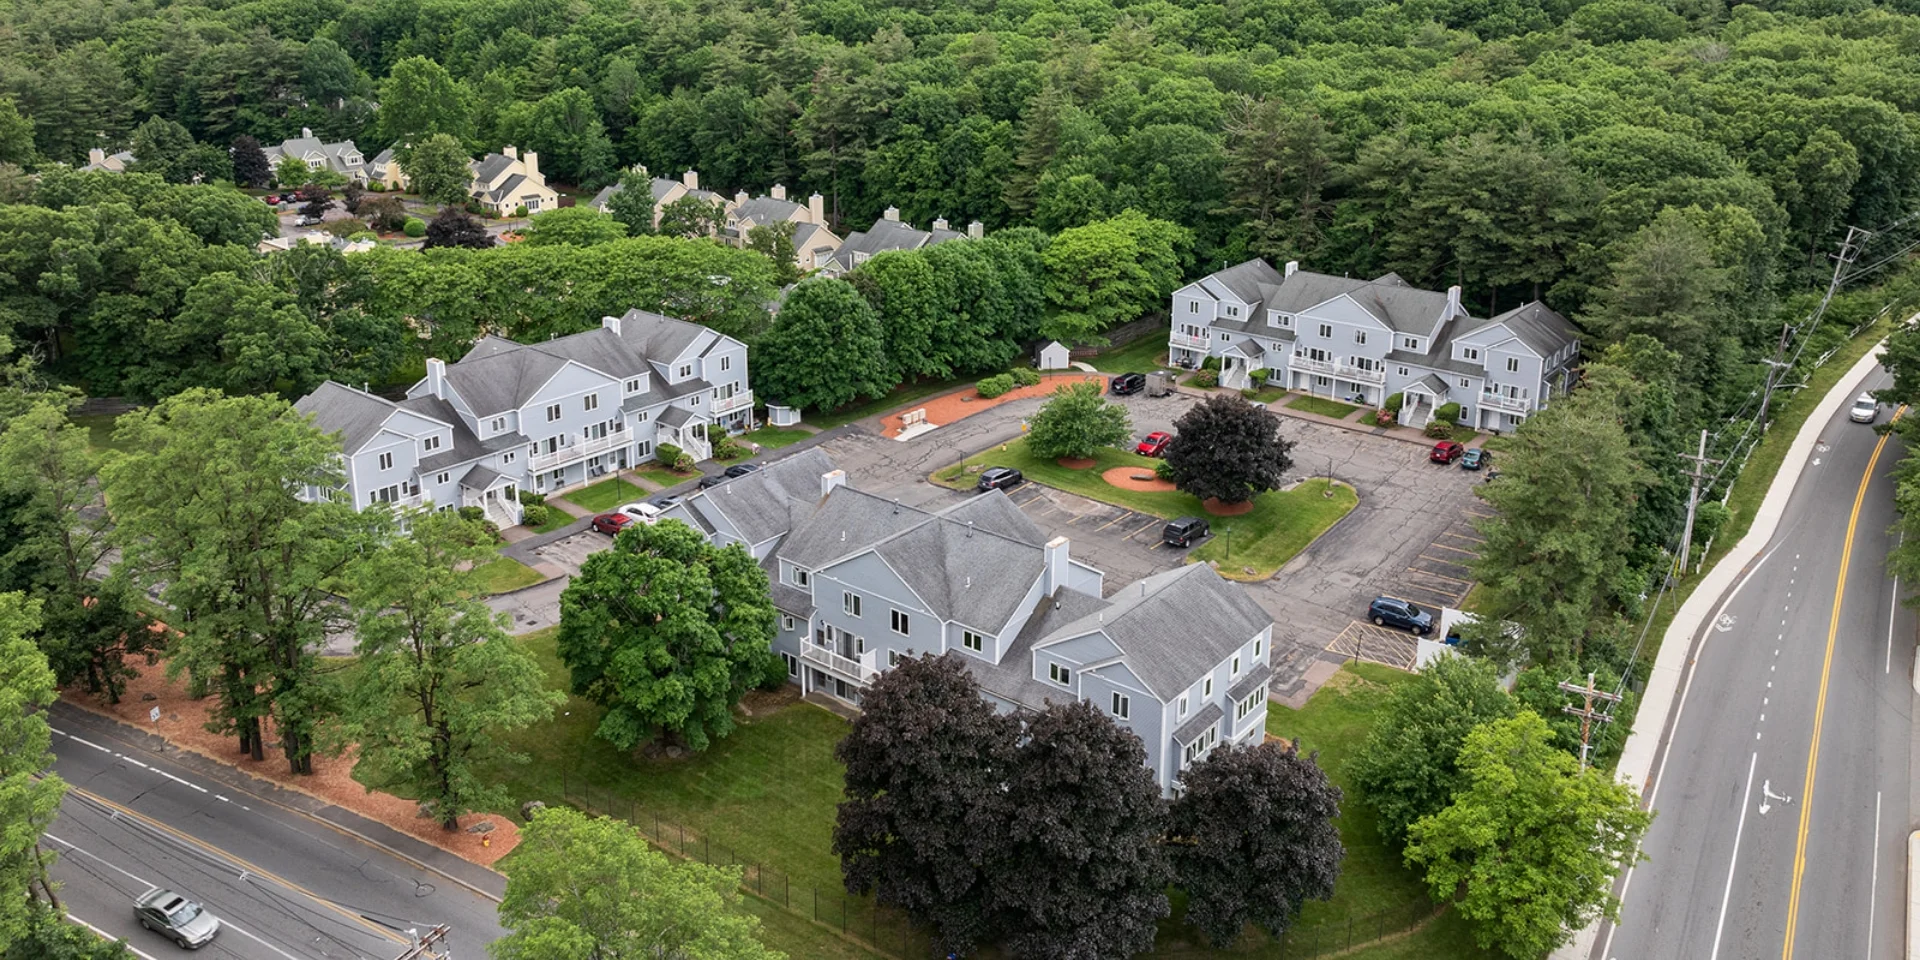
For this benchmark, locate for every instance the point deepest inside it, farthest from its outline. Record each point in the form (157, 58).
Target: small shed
(1052, 356)
(782, 416)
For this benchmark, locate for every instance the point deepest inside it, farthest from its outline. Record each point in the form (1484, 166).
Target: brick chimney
(831, 479)
(739, 198)
(1056, 576)
(817, 210)
(1293, 267)
(779, 192)
(892, 213)
(437, 377)
(976, 230)
(690, 179)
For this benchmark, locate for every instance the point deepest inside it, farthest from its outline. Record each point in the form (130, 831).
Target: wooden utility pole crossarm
(1586, 713)
(432, 945)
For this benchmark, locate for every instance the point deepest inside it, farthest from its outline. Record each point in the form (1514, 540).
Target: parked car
(612, 523)
(176, 918)
(305, 221)
(1865, 409)
(999, 478)
(1155, 444)
(646, 513)
(1184, 532)
(712, 480)
(741, 469)
(1446, 451)
(665, 503)
(1393, 612)
(1127, 383)
(1475, 459)
(271, 198)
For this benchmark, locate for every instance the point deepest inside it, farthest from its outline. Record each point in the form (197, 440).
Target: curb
(1684, 635)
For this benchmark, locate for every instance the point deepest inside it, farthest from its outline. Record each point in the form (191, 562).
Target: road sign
(154, 714)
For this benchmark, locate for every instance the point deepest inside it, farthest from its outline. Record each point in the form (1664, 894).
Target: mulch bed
(1222, 509)
(1125, 478)
(966, 401)
(1076, 463)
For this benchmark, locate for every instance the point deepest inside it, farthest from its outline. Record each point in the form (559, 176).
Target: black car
(1184, 532)
(713, 480)
(1127, 384)
(999, 478)
(1392, 612)
(665, 502)
(742, 469)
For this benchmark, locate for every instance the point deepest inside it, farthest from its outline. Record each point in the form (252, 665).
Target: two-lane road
(286, 886)
(1784, 789)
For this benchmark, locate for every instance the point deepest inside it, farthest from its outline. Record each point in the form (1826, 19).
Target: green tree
(1229, 450)
(162, 147)
(585, 887)
(290, 173)
(579, 226)
(1278, 169)
(207, 509)
(438, 679)
(1667, 285)
(1530, 844)
(16, 134)
(1408, 768)
(906, 296)
(50, 936)
(1110, 272)
(691, 217)
(632, 204)
(328, 76)
(775, 242)
(436, 169)
(29, 796)
(454, 227)
(564, 128)
(250, 166)
(418, 99)
(667, 632)
(1077, 423)
(825, 350)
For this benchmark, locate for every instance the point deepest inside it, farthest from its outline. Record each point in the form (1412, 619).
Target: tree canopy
(824, 351)
(1077, 423)
(1228, 449)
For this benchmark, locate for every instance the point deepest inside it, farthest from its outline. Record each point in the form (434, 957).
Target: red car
(612, 523)
(1446, 451)
(272, 198)
(1155, 444)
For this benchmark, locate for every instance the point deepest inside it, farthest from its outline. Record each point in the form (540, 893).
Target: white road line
(1873, 881)
(1738, 829)
(88, 743)
(224, 922)
(131, 760)
(175, 779)
(102, 934)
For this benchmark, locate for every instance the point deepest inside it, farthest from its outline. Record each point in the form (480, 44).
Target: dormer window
(1326, 331)
(1232, 311)
(1410, 343)
(1060, 675)
(499, 425)
(1470, 353)
(801, 578)
(430, 444)
(686, 370)
(633, 386)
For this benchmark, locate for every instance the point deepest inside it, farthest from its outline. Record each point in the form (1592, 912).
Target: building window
(1258, 644)
(1120, 705)
(1206, 688)
(1513, 364)
(498, 424)
(893, 659)
(1200, 746)
(1233, 311)
(507, 457)
(1286, 320)
(553, 412)
(850, 602)
(1464, 382)
(901, 625)
(1193, 306)
(787, 623)
(1060, 675)
(1183, 704)
(972, 641)
(386, 461)
(1326, 331)
(559, 476)
(686, 370)
(1253, 701)
(633, 386)
(859, 646)
(430, 443)
(695, 401)
(800, 578)
(1403, 372)
(1226, 338)
(726, 363)
(1360, 337)
(1236, 665)
(1368, 364)
(443, 478)
(793, 664)
(590, 402)
(1469, 353)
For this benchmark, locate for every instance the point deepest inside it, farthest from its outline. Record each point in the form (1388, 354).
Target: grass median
(605, 495)
(1247, 547)
(503, 574)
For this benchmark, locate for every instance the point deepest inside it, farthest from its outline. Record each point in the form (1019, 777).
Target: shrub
(532, 514)
(377, 187)
(728, 448)
(1439, 429)
(1211, 363)
(1395, 402)
(415, 228)
(1249, 392)
(1449, 412)
(683, 463)
(994, 386)
(520, 211)
(1026, 377)
(1163, 470)
(529, 498)
(342, 228)
(1207, 378)
(1260, 376)
(474, 207)
(1385, 418)
(716, 432)
(668, 454)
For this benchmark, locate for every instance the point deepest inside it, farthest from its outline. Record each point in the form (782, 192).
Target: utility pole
(1587, 714)
(430, 946)
(1697, 471)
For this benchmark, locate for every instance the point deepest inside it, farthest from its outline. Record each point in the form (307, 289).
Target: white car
(644, 512)
(1865, 409)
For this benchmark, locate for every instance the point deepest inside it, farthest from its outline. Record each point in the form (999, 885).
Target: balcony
(725, 405)
(1499, 401)
(860, 671)
(1329, 368)
(1182, 340)
(578, 450)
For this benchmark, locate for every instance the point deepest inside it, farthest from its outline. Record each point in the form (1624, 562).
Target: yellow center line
(1820, 703)
(244, 865)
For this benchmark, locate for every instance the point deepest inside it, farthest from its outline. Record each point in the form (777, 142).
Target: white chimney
(96, 155)
(691, 180)
(510, 151)
(940, 223)
(307, 132)
(1056, 553)
(739, 198)
(831, 479)
(611, 323)
(437, 377)
(779, 192)
(1293, 267)
(892, 213)
(817, 210)
(976, 230)
(1453, 300)
(532, 162)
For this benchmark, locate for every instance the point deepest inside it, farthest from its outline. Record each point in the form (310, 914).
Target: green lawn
(99, 430)
(1145, 355)
(1280, 525)
(773, 438)
(503, 574)
(1322, 406)
(606, 495)
(556, 518)
(900, 396)
(661, 475)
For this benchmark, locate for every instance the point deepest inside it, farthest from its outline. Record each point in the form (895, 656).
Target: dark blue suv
(1389, 612)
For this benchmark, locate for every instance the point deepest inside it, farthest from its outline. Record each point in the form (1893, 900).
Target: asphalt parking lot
(568, 553)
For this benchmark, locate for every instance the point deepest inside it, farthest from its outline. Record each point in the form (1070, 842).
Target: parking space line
(1443, 561)
(1157, 545)
(1437, 576)
(1446, 546)
(1149, 525)
(1115, 520)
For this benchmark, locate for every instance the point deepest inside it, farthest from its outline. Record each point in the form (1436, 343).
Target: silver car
(176, 918)
(1865, 409)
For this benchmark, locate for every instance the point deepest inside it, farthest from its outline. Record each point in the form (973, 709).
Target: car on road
(1446, 451)
(1127, 384)
(1394, 612)
(1184, 532)
(1865, 409)
(999, 478)
(646, 513)
(612, 523)
(741, 469)
(712, 480)
(305, 221)
(1475, 458)
(1155, 444)
(176, 918)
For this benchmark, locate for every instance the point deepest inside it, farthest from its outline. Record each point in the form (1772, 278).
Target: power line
(431, 945)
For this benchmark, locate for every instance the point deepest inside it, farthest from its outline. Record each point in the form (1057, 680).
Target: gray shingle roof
(466, 447)
(1012, 678)
(1538, 327)
(1174, 626)
(965, 573)
(1245, 686)
(845, 522)
(1244, 280)
(660, 338)
(599, 201)
(480, 478)
(507, 187)
(995, 512)
(503, 380)
(600, 349)
(883, 236)
(764, 210)
(1432, 383)
(1209, 716)
(759, 504)
(676, 417)
(490, 166)
(339, 409)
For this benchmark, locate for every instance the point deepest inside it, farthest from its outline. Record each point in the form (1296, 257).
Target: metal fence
(890, 932)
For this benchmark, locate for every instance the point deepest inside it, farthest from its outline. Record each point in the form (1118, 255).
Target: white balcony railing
(1329, 368)
(1499, 401)
(578, 450)
(859, 671)
(729, 404)
(1191, 343)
